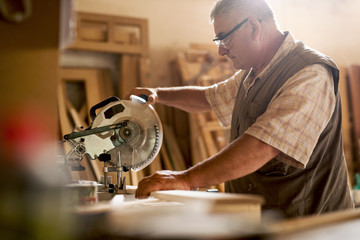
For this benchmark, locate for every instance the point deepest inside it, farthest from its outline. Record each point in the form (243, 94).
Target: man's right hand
(149, 92)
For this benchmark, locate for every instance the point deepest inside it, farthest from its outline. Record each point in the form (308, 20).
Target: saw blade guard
(137, 142)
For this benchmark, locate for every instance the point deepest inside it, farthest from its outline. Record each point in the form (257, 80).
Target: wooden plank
(244, 205)
(106, 86)
(201, 149)
(65, 123)
(188, 70)
(155, 165)
(134, 178)
(173, 149)
(79, 122)
(209, 141)
(217, 198)
(165, 159)
(106, 47)
(354, 82)
(83, 111)
(128, 80)
(346, 124)
(354, 86)
(196, 154)
(312, 222)
(213, 126)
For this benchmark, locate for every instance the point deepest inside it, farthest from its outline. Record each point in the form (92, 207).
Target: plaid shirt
(297, 113)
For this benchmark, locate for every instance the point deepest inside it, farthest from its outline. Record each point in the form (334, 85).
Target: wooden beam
(128, 78)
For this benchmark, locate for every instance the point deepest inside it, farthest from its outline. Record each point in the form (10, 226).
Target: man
(285, 114)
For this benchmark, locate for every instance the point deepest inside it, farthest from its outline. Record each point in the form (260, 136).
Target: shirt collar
(286, 47)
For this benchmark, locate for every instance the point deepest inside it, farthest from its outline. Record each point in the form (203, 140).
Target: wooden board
(172, 149)
(312, 222)
(354, 86)
(247, 206)
(218, 198)
(346, 123)
(206, 135)
(128, 74)
(155, 165)
(168, 165)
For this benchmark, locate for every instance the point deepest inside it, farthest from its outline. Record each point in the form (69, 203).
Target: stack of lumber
(202, 66)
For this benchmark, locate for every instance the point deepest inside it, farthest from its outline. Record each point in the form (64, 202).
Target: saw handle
(140, 99)
(102, 104)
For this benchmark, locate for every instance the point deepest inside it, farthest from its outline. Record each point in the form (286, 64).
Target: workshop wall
(326, 25)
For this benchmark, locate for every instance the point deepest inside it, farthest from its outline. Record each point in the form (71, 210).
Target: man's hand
(149, 92)
(162, 180)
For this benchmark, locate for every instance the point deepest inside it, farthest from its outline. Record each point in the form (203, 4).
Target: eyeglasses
(222, 41)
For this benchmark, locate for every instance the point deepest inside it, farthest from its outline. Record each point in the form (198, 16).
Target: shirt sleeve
(221, 97)
(297, 115)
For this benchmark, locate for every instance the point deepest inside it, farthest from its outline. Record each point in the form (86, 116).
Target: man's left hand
(162, 180)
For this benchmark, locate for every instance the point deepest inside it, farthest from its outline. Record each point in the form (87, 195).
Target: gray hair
(257, 8)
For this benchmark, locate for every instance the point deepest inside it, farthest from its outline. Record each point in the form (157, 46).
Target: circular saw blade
(139, 141)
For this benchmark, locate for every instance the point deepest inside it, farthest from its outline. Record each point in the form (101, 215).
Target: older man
(285, 115)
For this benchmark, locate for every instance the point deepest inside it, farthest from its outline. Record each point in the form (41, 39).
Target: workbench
(171, 215)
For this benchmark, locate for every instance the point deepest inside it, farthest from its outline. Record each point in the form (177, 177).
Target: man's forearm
(187, 98)
(241, 157)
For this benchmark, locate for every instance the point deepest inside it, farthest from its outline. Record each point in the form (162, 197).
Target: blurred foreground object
(29, 201)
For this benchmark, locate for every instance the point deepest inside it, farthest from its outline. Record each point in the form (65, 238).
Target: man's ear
(255, 27)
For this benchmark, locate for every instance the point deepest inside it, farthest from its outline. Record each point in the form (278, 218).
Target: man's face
(238, 45)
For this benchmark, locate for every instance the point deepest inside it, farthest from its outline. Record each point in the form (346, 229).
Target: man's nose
(222, 51)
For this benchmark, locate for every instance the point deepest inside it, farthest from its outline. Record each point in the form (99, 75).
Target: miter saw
(130, 130)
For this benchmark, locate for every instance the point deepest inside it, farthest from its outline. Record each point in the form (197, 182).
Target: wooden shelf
(107, 33)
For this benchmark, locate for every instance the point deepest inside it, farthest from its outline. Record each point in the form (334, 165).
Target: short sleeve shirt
(297, 113)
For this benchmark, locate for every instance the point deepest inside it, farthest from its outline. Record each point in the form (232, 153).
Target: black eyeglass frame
(231, 31)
